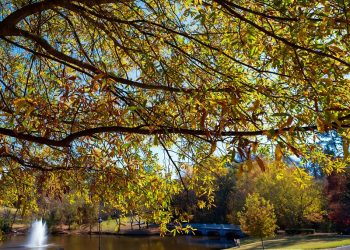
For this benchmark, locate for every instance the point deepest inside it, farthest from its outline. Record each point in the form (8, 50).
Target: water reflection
(107, 242)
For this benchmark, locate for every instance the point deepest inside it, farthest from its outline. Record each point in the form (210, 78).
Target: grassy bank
(108, 227)
(318, 241)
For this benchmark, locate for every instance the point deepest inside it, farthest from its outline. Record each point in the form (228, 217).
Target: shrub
(5, 225)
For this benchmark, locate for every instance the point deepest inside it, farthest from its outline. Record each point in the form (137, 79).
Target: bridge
(216, 229)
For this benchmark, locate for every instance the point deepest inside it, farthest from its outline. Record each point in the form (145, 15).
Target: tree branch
(144, 130)
(31, 165)
(8, 24)
(278, 38)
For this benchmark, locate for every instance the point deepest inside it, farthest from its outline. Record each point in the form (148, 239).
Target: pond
(112, 242)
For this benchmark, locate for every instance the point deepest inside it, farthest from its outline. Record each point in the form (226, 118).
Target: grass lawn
(111, 225)
(317, 241)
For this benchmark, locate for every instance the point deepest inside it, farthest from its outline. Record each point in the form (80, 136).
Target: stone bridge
(216, 229)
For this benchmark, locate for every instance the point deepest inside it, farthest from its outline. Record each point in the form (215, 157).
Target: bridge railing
(214, 226)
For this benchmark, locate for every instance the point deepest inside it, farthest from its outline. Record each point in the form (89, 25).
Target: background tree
(295, 195)
(225, 184)
(207, 206)
(338, 195)
(258, 217)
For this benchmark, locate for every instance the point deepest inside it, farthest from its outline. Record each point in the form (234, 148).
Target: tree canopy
(295, 195)
(89, 87)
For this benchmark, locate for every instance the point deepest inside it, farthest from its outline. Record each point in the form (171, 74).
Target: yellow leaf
(278, 153)
(320, 124)
(97, 152)
(201, 204)
(249, 165)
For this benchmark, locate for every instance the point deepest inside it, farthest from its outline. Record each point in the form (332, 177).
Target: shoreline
(83, 230)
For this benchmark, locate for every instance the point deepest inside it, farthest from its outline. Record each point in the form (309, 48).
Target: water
(37, 235)
(112, 242)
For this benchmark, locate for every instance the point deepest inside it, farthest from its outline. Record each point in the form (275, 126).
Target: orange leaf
(346, 148)
(98, 76)
(260, 163)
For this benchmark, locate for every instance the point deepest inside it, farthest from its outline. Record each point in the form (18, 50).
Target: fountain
(38, 235)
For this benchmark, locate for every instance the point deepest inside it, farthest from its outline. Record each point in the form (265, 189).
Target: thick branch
(8, 25)
(142, 130)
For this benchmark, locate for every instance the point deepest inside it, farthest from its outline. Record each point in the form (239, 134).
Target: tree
(88, 88)
(295, 195)
(338, 195)
(258, 217)
(209, 204)
(224, 184)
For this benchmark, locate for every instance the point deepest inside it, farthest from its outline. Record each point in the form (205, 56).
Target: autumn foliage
(338, 194)
(116, 101)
